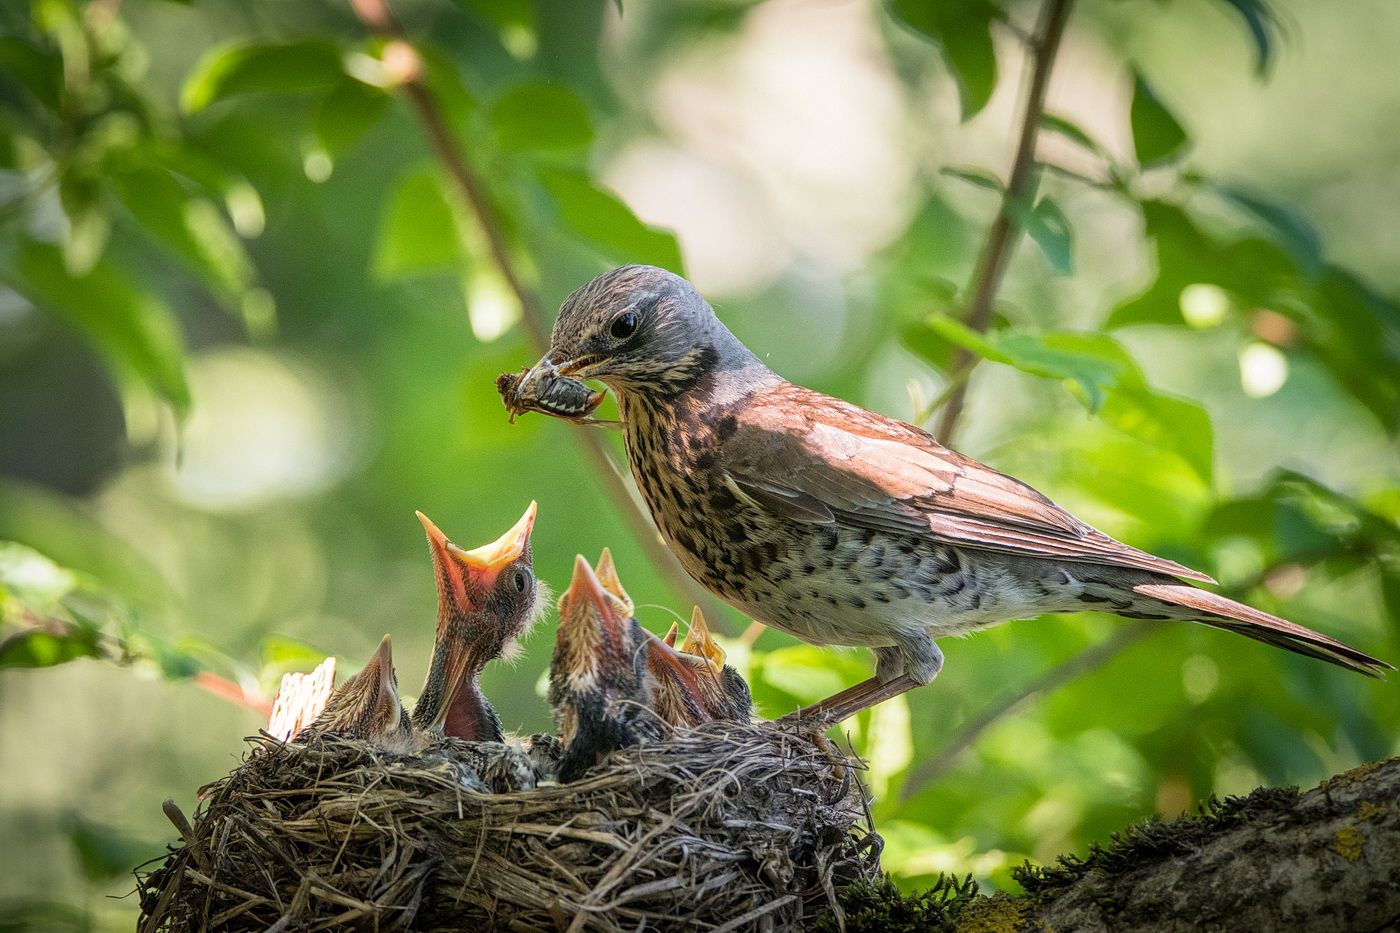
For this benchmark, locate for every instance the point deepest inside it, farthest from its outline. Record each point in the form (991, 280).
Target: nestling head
(640, 329)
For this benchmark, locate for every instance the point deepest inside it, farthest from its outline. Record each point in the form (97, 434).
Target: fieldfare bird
(367, 706)
(597, 677)
(487, 597)
(691, 685)
(842, 526)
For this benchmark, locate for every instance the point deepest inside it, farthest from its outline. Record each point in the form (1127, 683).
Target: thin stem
(379, 18)
(1020, 188)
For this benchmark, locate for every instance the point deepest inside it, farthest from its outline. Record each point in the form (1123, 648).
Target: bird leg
(852, 700)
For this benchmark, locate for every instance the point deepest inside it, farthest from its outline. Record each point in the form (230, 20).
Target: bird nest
(724, 827)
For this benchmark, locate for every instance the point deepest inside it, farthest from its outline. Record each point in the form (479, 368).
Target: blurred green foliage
(248, 324)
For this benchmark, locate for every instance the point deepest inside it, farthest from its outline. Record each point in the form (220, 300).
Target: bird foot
(849, 702)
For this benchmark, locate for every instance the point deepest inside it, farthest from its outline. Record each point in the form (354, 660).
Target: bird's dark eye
(522, 579)
(624, 325)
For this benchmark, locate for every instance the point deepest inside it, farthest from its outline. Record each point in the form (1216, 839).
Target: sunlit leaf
(540, 116)
(600, 218)
(1157, 136)
(963, 31)
(190, 227)
(419, 231)
(84, 201)
(1103, 376)
(273, 67)
(133, 329)
(1164, 422)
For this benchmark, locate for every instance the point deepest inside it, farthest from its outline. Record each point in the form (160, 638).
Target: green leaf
(1093, 362)
(135, 331)
(86, 206)
(974, 176)
(1164, 422)
(273, 67)
(1047, 225)
(1073, 132)
(1157, 136)
(192, 228)
(40, 72)
(1294, 231)
(601, 219)
(1262, 25)
(419, 231)
(540, 116)
(349, 112)
(962, 29)
(48, 645)
(1103, 377)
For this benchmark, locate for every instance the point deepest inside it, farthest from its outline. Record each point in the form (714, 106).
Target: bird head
(640, 329)
(367, 705)
(487, 598)
(692, 684)
(598, 654)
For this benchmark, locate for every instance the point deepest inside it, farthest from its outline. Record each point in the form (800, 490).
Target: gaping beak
(700, 642)
(607, 576)
(456, 566)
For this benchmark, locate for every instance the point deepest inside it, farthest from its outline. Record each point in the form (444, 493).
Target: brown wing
(814, 458)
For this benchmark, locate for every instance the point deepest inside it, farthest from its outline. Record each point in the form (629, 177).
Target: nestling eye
(624, 325)
(522, 579)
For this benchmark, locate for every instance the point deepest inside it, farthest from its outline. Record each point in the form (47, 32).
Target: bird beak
(699, 642)
(587, 599)
(684, 670)
(607, 576)
(671, 633)
(456, 566)
(382, 664)
(556, 364)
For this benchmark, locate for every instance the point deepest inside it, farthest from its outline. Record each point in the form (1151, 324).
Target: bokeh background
(248, 325)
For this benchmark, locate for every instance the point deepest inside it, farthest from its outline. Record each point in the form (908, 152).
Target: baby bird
(597, 678)
(693, 685)
(367, 707)
(487, 598)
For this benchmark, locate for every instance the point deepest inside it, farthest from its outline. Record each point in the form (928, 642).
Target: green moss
(883, 908)
(999, 913)
(1349, 842)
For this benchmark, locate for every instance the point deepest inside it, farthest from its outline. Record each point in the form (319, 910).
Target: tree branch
(1020, 188)
(405, 64)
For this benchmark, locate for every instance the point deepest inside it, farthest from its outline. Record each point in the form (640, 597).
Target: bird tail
(1224, 613)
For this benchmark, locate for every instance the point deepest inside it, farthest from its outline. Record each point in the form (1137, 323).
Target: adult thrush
(842, 526)
(487, 597)
(597, 677)
(367, 706)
